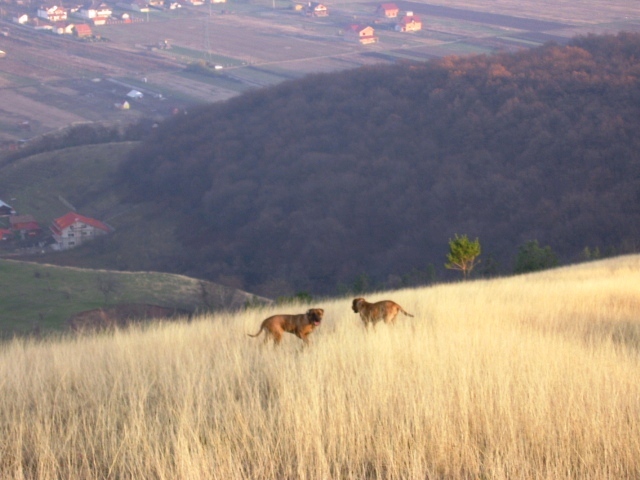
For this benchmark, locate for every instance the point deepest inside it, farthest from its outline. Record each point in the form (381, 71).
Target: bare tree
(109, 285)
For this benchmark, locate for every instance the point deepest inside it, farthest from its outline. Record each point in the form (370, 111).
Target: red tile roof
(356, 28)
(408, 20)
(83, 30)
(23, 222)
(70, 218)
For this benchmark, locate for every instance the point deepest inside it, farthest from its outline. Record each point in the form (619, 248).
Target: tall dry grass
(531, 377)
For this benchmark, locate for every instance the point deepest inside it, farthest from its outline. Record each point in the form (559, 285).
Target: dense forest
(317, 182)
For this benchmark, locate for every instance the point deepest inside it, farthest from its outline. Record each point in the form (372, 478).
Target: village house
(92, 12)
(24, 226)
(21, 19)
(134, 5)
(63, 28)
(6, 209)
(409, 23)
(86, 12)
(363, 34)
(5, 234)
(40, 24)
(82, 30)
(52, 14)
(388, 10)
(315, 9)
(103, 10)
(74, 229)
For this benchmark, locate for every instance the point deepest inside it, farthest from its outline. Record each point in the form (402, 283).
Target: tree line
(90, 133)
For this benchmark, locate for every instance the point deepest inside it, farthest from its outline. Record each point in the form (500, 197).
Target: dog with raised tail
(372, 313)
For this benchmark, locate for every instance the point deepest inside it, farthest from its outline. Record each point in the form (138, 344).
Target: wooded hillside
(309, 184)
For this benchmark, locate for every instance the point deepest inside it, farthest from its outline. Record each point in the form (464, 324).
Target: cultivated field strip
(271, 36)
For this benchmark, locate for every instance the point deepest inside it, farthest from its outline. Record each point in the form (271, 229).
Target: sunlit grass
(527, 377)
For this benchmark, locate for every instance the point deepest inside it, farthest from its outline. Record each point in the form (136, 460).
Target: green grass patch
(464, 48)
(257, 76)
(221, 80)
(18, 81)
(522, 41)
(43, 297)
(187, 54)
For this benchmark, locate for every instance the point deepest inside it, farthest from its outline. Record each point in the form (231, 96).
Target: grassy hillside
(526, 377)
(49, 184)
(44, 185)
(42, 297)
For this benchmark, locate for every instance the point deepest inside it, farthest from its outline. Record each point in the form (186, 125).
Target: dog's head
(356, 304)
(315, 316)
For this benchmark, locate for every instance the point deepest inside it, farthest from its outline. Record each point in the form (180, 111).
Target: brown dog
(372, 313)
(300, 325)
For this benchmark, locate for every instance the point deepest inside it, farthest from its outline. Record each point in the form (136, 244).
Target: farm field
(533, 376)
(49, 81)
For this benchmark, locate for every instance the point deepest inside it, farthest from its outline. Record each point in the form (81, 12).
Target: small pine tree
(463, 254)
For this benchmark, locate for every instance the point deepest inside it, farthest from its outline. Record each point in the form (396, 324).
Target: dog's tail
(405, 312)
(259, 332)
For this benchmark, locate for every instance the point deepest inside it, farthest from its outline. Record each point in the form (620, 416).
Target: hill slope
(310, 185)
(37, 297)
(534, 376)
(47, 185)
(43, 297)
(316, 181)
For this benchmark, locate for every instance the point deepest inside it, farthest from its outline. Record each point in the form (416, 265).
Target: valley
(48, 81)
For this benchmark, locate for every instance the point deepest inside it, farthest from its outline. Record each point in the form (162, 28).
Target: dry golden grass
(531, 377)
